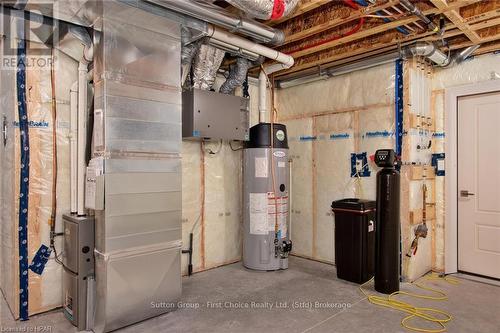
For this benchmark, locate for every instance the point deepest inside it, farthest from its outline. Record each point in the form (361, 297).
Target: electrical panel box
(211, 115)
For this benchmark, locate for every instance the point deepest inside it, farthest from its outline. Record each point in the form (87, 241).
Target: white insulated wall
(327, 121)
(212, 197)
(45, 289)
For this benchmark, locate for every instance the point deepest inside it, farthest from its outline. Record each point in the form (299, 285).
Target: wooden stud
(416, 172)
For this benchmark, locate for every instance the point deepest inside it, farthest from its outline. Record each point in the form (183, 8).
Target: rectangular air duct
(137, 142)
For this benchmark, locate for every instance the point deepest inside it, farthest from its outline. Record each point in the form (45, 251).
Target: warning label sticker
(258, 214)
(266, 211)
(277, 213)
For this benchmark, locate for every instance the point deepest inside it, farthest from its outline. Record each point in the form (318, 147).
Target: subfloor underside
(305, 298)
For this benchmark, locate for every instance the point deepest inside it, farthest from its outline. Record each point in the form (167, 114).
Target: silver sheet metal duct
(264, 9)
(237, 76)
(323, 74)
(136, 157)
(216, 15)
(205, 66)
(433, 53)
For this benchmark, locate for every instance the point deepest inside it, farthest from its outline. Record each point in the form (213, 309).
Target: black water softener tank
(387, 237)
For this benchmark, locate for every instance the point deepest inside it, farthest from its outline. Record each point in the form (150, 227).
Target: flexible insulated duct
(266, 9)
(189, 50)
(237, 76)
(206, 64)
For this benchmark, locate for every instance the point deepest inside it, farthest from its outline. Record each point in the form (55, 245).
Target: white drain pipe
(284, 61)
(73, 124)
(82, 134)
(88, 52)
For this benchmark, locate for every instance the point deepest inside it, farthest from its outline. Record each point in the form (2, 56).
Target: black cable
(245, 87)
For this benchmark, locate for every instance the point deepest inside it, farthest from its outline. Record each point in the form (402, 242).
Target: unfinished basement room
(220, 166)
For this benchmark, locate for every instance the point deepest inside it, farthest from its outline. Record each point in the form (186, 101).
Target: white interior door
(479, 184)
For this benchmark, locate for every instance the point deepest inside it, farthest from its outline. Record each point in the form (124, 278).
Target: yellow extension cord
(434, 316)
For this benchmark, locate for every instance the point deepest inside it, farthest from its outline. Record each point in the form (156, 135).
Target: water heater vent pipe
(283, 61)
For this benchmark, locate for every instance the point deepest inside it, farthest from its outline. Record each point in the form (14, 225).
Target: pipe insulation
(206, 64)
(216, 15)
(266, 9)
(237, 76)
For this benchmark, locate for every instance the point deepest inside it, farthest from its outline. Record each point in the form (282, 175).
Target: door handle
(465, 193)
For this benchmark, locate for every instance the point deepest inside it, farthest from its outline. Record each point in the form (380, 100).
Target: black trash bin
(354, 239)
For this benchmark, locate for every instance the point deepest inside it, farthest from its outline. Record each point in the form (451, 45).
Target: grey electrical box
(208, 114)
(78, 270)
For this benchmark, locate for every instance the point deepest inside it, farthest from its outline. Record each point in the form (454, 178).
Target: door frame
(451, 96)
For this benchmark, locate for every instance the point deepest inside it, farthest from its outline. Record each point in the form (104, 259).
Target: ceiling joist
(457, 20)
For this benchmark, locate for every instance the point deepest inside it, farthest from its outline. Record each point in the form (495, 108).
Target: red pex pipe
(358, 26)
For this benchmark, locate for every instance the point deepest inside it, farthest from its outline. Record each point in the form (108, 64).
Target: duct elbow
(460, 57)
(278, 39)
(434, 54)
(83, 36)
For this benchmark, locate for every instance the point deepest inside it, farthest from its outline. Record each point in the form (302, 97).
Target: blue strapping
(398, 109)
(24, 180)
(398, 106)
(40, 260)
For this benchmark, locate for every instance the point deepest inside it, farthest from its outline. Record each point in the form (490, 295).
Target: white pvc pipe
(262, 96)
(284, 61)
(73, 125)
(82, 134)
(290, 193)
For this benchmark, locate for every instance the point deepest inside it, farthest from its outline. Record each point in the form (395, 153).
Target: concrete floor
(475, 306)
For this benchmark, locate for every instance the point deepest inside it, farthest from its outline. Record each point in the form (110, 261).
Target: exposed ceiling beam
(457, 20)
(303, 8)
(486, 39)
(475, 27)
(338, 21)
(488, 48)
(358, 53)
(483, 16)
(379, 29)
